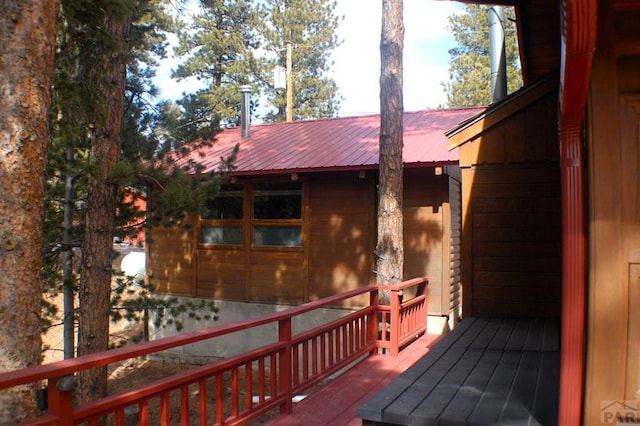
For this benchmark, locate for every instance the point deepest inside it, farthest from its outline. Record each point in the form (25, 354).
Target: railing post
(284, 335)
(372, 321)
(395, 323)
(60, 399)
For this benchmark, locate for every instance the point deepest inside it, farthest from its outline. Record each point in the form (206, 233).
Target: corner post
(395, 322)
(372, 320)
(60, 399)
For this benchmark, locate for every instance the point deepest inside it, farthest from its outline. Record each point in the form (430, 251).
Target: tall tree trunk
(389, 248)
(95, 274)
(27, 42)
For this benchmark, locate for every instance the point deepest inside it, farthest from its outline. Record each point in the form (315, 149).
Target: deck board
(486, 372)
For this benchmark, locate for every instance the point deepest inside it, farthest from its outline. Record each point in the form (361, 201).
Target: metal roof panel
(335, 143)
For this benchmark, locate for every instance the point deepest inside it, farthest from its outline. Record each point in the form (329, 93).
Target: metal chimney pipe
(245, 110)
(497, 54)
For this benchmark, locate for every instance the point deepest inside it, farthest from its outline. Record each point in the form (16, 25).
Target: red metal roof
(333, 144)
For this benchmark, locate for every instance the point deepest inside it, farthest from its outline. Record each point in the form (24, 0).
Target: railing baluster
(261, 380)
(332, 346)
(143, 414)
(314, 356)
(220, 398)
(323, 351)
(202, 396)
(248, 385)
(184, 405)
(295, 368)
(305, 360)
(235, 392)
(119, 417)
(165, 411)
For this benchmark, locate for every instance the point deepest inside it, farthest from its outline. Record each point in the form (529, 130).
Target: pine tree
(389, 247)
(79, 112)
(469, 68)
(309, 28)
(219, 44)
(27, 44)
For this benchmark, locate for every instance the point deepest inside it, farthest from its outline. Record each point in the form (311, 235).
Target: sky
(356, 68)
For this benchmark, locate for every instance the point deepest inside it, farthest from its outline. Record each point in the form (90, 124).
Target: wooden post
(372, 323)
(395, 323)
(60, 399)
(284, 335)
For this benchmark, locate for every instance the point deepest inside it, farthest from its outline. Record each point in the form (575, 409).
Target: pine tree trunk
(95, 274)
(389, 249)
(27, 42)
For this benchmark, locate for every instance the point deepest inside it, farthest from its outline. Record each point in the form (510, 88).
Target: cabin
(296, 220)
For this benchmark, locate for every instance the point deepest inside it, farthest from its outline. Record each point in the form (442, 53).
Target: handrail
(100, 359)
(296, 361)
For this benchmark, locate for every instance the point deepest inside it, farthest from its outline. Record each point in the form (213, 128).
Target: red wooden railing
(273, 374)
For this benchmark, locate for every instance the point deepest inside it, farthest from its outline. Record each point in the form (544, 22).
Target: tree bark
(95, 274)
(27, 43)
(389, 248)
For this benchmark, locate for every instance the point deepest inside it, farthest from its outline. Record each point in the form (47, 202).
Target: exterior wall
(342, 233)
(613, 327)
(426, 215)
(453, 262)
(512, 239)
(337, 254)
(171, 256)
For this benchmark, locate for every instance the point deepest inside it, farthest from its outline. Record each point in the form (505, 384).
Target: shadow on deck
(485, 372)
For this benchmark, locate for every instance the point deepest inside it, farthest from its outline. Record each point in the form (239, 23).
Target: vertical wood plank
(607, 309)
(468, 175)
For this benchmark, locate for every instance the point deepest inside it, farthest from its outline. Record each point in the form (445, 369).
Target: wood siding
(454, 262)
(171, 259)
(341, 232)
(512, 235)
(337, 254)
(426, 212)
(613, 319)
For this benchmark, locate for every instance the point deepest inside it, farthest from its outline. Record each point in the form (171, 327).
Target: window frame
(248, 223)
(202, 223)
(277, 223)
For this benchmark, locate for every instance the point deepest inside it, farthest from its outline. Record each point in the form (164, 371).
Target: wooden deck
(336, 403)
(486, 372)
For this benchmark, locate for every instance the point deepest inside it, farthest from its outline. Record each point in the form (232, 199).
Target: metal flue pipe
(497, 54)
(245, 111)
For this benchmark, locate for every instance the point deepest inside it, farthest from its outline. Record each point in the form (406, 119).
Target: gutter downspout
(578, 25)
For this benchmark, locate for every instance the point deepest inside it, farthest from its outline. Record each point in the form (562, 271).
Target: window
(277, 201)
(276, 220)
(277, 214)
(222, 223)
(227, 204)
(221, 235)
